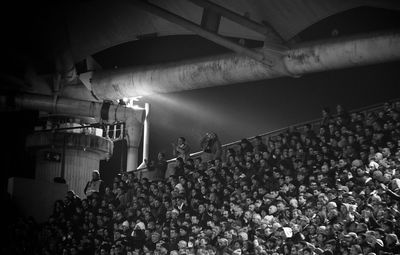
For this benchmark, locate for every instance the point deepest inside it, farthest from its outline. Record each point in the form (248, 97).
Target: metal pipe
(115, 132)
(342, 53)
(108, 132)
(146, 137)
(189, 25)
(233, 68)
(75, 107)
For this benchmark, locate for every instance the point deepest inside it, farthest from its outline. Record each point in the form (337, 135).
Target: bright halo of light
(137, 107)
(137, 98)
(129, 102)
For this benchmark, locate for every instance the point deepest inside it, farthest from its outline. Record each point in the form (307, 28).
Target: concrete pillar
(134, 130)
(132, 158)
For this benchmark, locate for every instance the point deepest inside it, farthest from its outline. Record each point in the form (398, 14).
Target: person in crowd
(259, 146)
(159, 166)
(95, 186)
(245, 147)
(326, 116)
(179, 169)
(181, 149)
(211, 147)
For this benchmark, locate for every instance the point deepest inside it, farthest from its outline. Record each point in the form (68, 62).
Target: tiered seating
(334, 190)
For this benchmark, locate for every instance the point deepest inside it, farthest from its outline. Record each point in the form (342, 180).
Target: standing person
(94, 186)
(245, 146)
(179, 169)
(159, 166)
(181, 150)
(326, 116)
(211, 147)
(259, 147)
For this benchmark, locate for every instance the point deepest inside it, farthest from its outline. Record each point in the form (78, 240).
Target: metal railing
(315, 124)
(113, 132)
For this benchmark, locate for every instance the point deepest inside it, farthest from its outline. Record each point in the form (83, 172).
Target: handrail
(361, 109)
(369, 108)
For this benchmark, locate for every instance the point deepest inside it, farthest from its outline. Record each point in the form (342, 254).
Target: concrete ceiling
(97, 25)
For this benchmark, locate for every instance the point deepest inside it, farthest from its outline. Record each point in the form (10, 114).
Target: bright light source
(136, 98)
(137, 107)
(129, 102)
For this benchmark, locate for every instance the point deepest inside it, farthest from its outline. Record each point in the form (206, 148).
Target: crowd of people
(331, 189)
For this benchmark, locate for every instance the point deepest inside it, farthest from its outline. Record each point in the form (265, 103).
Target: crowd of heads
(332, 188)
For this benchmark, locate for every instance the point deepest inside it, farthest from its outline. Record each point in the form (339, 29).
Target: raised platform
(74, 157)
(78, 141)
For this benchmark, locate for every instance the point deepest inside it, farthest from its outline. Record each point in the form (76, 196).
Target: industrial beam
(242, 20)
(233, 68)
(210, 20)
(189, 25)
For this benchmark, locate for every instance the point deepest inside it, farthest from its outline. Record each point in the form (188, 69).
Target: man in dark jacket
(95, 186)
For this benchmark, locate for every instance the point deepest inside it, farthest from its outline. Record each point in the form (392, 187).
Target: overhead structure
(93, 31)
(267, 31)
(212, 36)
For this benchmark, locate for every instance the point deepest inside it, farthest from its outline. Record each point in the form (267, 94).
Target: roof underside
(97, 25)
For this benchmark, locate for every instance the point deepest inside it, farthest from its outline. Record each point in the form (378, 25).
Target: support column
(134, 135)
(132, 158)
